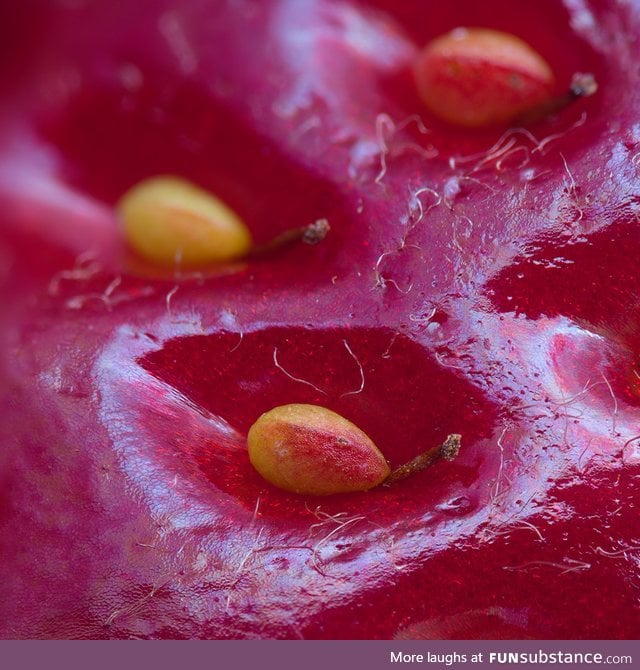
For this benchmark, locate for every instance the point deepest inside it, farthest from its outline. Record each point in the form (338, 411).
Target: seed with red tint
(311, 450)
(482, 77)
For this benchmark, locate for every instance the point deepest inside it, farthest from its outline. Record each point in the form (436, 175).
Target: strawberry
(464, 281)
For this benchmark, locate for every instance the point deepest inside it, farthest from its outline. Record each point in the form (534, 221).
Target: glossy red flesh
(507, 313)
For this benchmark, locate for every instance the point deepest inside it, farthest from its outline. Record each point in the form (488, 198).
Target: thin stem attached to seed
(448, 450)
(311, 234)
(583, 85)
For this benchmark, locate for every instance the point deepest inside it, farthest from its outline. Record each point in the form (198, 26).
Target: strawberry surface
(480, 282)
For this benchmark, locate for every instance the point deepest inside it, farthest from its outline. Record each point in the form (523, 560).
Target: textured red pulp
(490, 293)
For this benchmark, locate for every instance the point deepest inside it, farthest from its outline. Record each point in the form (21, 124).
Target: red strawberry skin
(460, 290)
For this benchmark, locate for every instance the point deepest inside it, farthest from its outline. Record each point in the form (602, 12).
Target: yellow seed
(311, 450)
(168, 220)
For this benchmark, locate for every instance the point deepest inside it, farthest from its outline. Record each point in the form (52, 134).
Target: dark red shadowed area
(366, 375)
(473, 282)
(591, 280)
(142, 134)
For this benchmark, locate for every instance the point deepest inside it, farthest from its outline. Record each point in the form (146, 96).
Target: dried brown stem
(311, 234)
(448, 450)
(583, 85)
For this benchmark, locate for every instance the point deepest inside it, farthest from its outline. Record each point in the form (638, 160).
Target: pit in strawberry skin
(473, 281)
